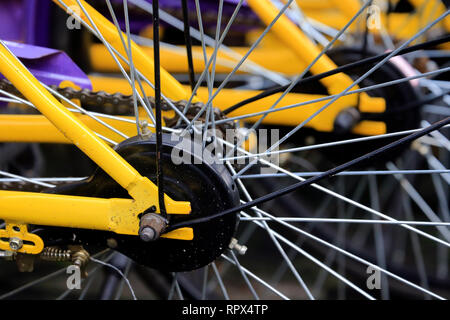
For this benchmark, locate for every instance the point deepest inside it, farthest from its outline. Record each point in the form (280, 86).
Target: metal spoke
(330, 97)
(220, 281)
(305, 71)
(275, 242)
(252, 48)
(30, 180)
(350, 201)
(251, 274)
(347, 173)
(350, 255)
(417, 198)
(378, 234)
(356, 82)
(310, 257)
(418, 256)
(257, 69)
(42, 279)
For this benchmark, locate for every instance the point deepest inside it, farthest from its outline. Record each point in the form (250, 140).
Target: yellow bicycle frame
(400, 25)
(302, 52)
(116, 215)
(121, 215)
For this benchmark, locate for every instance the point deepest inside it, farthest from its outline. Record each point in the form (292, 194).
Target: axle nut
(151, 226)
(346, 120)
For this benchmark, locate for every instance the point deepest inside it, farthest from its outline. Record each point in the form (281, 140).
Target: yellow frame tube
(116, 215)
(336, 13)
(295, 39)
(277, 59)
(227, 97)
(170, 87)
(307, 51)
(140, 188)
(38, 129)
(348, 7)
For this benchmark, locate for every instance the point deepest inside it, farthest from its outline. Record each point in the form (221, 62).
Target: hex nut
(151, 226)
(15, 243)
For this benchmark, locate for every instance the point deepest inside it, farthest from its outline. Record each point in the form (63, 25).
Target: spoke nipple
(146, 133)
(240, 249)
(420, 147)
(15, 243)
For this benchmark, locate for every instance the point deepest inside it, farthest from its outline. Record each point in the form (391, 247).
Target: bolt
(151, 226)
(112, 243)
(240, 249)
(15, 243)
(147, 234)
(346, 120)
(146, 133)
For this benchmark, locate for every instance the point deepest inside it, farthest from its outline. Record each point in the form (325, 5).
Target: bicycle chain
(119, 104)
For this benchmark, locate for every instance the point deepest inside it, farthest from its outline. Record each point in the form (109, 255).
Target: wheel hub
(208, 187)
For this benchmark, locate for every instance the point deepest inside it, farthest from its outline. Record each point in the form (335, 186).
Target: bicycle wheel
(303, 237)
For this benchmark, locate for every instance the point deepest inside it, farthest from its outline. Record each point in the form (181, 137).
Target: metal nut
(15, 243)
(151, 226)
(346, 120)
(112, 243)
(147, 234)
(240, 249)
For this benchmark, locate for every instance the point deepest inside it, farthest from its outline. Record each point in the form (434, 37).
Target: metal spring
(55, 254)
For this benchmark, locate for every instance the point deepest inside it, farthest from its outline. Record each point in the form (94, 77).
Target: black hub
(208, 187)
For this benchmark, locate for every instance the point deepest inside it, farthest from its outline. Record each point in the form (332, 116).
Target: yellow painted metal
(401, 25)
(291, 117)
(299, 43)
(276, 58)
(228, 97)
(332, 18)
(140, 188)
(116, 215)
(348, 7)
(33, 244)
(64, 120)
(294, 38)
(170, 87)
(37, 128)
(314, 4)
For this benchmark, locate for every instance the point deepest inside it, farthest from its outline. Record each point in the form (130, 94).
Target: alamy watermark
(74, 279)
(374, 14)
(72, 22)
(374, 279)
(231, 146)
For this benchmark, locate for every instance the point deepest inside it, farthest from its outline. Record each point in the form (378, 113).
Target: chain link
(112, 104)
(120, 105)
